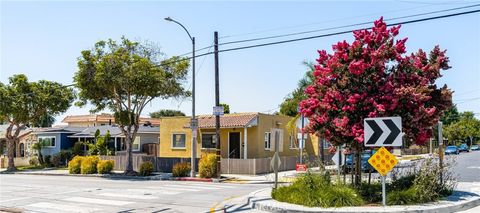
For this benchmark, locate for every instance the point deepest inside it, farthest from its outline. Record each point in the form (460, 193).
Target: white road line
(98, 201)
(159, 189)
(141, 197)
(191, 187)
(60, 207)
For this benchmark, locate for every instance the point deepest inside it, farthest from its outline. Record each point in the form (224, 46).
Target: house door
(234, 145)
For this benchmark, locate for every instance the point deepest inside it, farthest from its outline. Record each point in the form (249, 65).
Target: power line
(330, 34)
(334, 28)
(345, 26)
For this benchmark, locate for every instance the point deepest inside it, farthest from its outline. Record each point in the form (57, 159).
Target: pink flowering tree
(374, 77)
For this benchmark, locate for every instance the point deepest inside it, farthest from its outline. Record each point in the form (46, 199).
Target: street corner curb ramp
(458, 201)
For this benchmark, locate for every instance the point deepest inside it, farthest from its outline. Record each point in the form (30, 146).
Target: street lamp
(193, 122)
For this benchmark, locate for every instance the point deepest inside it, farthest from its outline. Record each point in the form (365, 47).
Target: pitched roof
(226, 121)
(113, 130)
(103, 118)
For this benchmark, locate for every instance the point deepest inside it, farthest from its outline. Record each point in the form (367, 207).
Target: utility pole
(217, 104)
(440, 149)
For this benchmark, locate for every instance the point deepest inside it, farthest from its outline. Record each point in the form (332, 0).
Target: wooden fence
(254, 166)
(159, 164)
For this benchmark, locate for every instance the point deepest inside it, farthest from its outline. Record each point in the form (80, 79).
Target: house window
(208, 140)
(47, 141)
(178, 140)
(136, 144)
(267, 141)
(22, 150)
(293, 142)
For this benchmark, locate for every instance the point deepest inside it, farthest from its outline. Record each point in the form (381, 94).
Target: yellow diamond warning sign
(383, 161)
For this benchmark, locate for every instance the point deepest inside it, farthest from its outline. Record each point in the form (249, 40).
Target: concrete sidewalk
(465, 197)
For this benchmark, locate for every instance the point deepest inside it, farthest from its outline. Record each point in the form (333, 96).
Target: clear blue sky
(44, 39)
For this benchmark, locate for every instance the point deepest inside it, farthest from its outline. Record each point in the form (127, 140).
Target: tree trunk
(358, 167)
(11, 154)
(129, 164)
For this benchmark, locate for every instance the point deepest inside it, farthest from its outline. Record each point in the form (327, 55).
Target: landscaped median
(458, 201)
(429, 188)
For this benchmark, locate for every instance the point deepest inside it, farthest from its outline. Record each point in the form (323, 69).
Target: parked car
(364, 161)
(474, 148)
(452, 150)
(463, 148)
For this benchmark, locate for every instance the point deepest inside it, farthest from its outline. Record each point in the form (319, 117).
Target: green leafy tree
(100, 147)
(124, 77)
(166, 113)
(23, 102)
(467, 128)
(226, 108)
(450, 115)
(44, 121)
(289, 106)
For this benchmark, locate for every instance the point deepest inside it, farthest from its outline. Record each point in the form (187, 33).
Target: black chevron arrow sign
(385, 131)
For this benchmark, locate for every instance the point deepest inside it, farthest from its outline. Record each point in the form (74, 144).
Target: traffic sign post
(381, 132)
(383, 161)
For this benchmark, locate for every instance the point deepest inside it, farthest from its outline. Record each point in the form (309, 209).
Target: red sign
(301, 167)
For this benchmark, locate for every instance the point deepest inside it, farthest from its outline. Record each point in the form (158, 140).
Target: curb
(107, 176)
(436, 207)
(122, 177)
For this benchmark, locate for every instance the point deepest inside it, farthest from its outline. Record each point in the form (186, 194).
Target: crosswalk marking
(97, 201)
(191, 186)
(132, 196)
(163, 188)
(158, 191)
(60, 207)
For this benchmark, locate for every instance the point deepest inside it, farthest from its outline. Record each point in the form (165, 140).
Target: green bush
(371, 193)
(403, 197)
(105, 166)
(77, 149)
(57, 160)
(181, 169)
(74, 166)
(89, 165)
(33, 161)
(402, 183)
(47, 162)
(146, 168)
(315, 190)
(207, 167)
(342, 195)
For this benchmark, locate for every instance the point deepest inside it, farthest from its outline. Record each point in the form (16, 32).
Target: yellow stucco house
(242, 136)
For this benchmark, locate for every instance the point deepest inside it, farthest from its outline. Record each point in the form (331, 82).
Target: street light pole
(193, 122)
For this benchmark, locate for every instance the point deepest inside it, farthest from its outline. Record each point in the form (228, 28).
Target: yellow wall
(255, 136)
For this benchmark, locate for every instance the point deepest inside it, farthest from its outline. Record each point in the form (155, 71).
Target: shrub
(65, 156)
(57, 160)
(371, 193)
(207, 166)
(342, 195)
(33, 161)
(77, 149)
(402, 183)
(316, 190)
(105, 166)
(74, 166)
(146, 168)
(181, 169)
(47, 161)
(89, 165)
(403, 197)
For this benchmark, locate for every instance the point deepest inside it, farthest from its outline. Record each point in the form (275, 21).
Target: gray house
(146, 141)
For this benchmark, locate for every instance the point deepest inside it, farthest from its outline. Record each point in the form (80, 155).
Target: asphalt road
(467, 166)
(38, 193)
